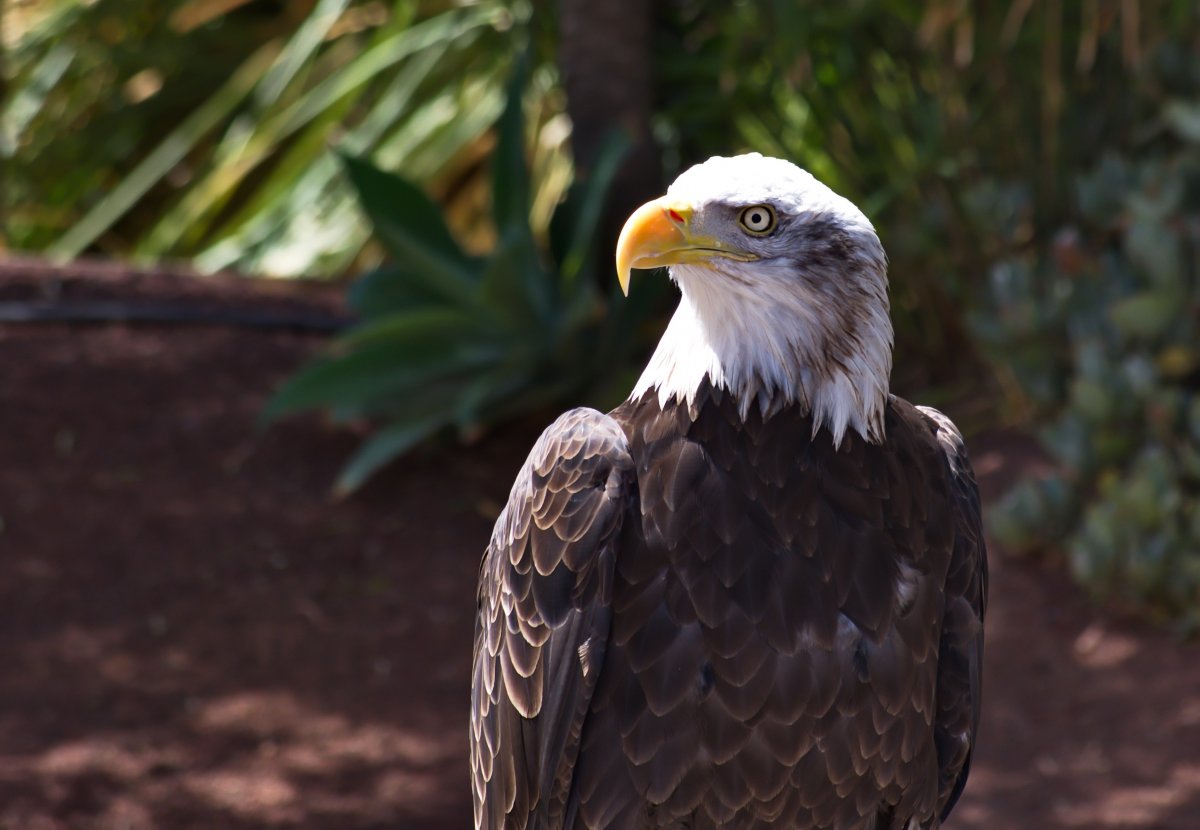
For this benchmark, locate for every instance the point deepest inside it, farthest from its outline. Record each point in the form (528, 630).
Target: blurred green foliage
(447, 339)
(1101, 331)
(202, 129)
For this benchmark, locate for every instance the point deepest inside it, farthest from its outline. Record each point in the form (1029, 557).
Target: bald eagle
(753, 594)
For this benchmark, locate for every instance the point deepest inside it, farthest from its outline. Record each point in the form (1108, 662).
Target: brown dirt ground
(194, 635)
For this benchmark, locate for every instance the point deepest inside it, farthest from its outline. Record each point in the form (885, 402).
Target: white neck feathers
(770, 343)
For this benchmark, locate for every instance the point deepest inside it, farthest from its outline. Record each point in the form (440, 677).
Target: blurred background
(289, 287)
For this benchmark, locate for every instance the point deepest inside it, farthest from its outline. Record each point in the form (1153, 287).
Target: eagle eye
(758, 219)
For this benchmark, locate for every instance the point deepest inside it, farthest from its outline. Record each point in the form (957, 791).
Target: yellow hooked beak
(660, 233)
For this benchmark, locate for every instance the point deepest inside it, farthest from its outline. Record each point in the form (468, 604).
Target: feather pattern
(779, 631)
(544, 609)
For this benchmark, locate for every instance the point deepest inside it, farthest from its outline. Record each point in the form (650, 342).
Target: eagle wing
(544, 601)
(960, 658)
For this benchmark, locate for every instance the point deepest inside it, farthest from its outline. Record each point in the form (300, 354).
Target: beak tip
(623, 280)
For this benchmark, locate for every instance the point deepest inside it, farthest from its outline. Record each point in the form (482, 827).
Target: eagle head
(784, 293)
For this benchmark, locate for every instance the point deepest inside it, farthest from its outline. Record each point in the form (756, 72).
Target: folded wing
(544, 599)
(960, 658)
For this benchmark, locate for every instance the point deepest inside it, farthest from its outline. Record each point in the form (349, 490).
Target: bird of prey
(752, 595)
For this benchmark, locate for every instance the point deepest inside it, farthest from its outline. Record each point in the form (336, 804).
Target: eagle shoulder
(960, 658)
(544, 611)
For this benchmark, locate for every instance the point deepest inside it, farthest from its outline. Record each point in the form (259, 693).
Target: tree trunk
(605, 57)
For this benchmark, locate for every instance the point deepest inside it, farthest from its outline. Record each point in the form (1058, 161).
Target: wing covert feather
(544, 611)
(960, 658)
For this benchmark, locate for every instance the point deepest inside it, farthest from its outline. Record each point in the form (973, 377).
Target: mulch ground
(194, 635)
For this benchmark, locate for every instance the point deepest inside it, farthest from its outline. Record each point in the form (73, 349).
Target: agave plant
(448, 339)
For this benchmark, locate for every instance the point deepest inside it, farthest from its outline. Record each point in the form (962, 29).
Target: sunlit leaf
(298, 183)
(258, 136)
(164, 157)
(300, 49)
(31, 96)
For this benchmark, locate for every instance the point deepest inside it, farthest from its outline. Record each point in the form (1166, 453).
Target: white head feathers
(806, 321)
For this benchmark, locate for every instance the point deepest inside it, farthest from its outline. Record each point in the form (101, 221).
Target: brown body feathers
(688, 619)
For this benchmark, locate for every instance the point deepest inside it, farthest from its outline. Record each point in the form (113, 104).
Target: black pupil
(757, 218)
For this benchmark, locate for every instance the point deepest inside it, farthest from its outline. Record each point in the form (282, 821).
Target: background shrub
(1100, 332)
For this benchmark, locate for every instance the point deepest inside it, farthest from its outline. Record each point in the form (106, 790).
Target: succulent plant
(1101, 334)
